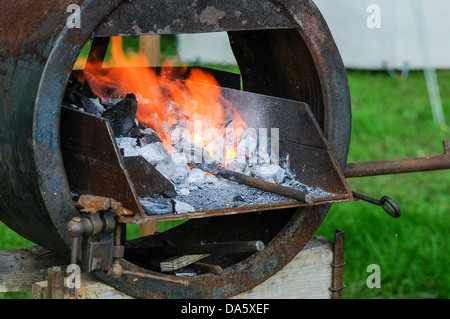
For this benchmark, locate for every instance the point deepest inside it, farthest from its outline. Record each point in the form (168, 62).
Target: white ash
(154, 153)
(148, 136)
(183, 192)
(220, 193)
(237, 163)
(194, 152)
(218, 146)
(128, 146)
(269, 173)
(178, 173)
(181, 207)
(178, 158)
(197, 191)
(247, 147)
(182, 129)
(196, 177)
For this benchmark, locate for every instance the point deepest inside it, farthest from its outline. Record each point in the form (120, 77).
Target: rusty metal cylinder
(283, 48)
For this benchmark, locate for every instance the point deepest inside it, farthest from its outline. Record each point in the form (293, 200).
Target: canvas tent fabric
(412, 34)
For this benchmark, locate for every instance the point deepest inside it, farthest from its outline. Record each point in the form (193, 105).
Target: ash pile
(183, 157)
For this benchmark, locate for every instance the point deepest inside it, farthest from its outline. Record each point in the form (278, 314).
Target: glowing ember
(174, 109)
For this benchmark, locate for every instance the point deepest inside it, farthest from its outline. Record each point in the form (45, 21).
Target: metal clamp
(385, 202)
(99, 232)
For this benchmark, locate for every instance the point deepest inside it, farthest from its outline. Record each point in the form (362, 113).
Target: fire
(165, 102)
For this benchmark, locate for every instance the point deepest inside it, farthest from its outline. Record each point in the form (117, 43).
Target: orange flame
(163, 100)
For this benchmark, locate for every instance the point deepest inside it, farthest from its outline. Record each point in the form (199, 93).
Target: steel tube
(399, 166)
(251, 246)
(266, 186)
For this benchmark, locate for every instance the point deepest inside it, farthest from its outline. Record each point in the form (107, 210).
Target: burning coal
(183, 127)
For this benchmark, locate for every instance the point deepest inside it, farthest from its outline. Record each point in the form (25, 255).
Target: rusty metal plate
(146, 179)
(92, 160)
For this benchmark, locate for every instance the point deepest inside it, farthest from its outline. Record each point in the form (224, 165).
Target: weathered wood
(308, 275)
(20, 268)
(175, 263)
(55, 283)
(91, 288)
(338, 265)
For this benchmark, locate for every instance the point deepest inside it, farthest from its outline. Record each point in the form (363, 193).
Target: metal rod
(399, 166)
(207, 268)
(155, 277)
(266, 186)
(202, 248)
(73, 261)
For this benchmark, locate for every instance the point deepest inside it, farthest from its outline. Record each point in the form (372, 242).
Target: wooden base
(310, 275)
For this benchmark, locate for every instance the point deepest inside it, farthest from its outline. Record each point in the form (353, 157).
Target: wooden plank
(20, 268)
(55, 283)
(307, 276)
(175, 263)
(338, 265)
(91, 288)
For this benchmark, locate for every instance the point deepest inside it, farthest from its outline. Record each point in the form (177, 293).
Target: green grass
(392, 118)
(10, 240)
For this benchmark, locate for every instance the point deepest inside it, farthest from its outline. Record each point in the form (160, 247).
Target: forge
(250, 161)
(217, 150)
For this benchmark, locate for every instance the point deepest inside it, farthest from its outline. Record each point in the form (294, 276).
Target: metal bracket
(99, 232)
(338, 265)
(386, 202)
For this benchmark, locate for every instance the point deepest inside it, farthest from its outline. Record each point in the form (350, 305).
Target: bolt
(75, 227)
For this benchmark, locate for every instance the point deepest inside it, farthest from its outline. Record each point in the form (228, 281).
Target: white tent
(417, 36)
(411, 32)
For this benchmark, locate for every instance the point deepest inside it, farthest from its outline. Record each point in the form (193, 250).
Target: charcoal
(237, 163)
(169, 194)
(196, 177)
(270, 173)
(210, 179)
(135, 131)
(263, 156)
(247, 147)
(178, 173)
(106, 104)
(154, 153)
(217, 145)
(177, 158)
(163, 167)
(156, 208)
(74, 89)
(183, 192)
(180, 207)
(194, 153)
(148, 136)
(179, 131)
(89, 105)
(128, 145)
(122, 115)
